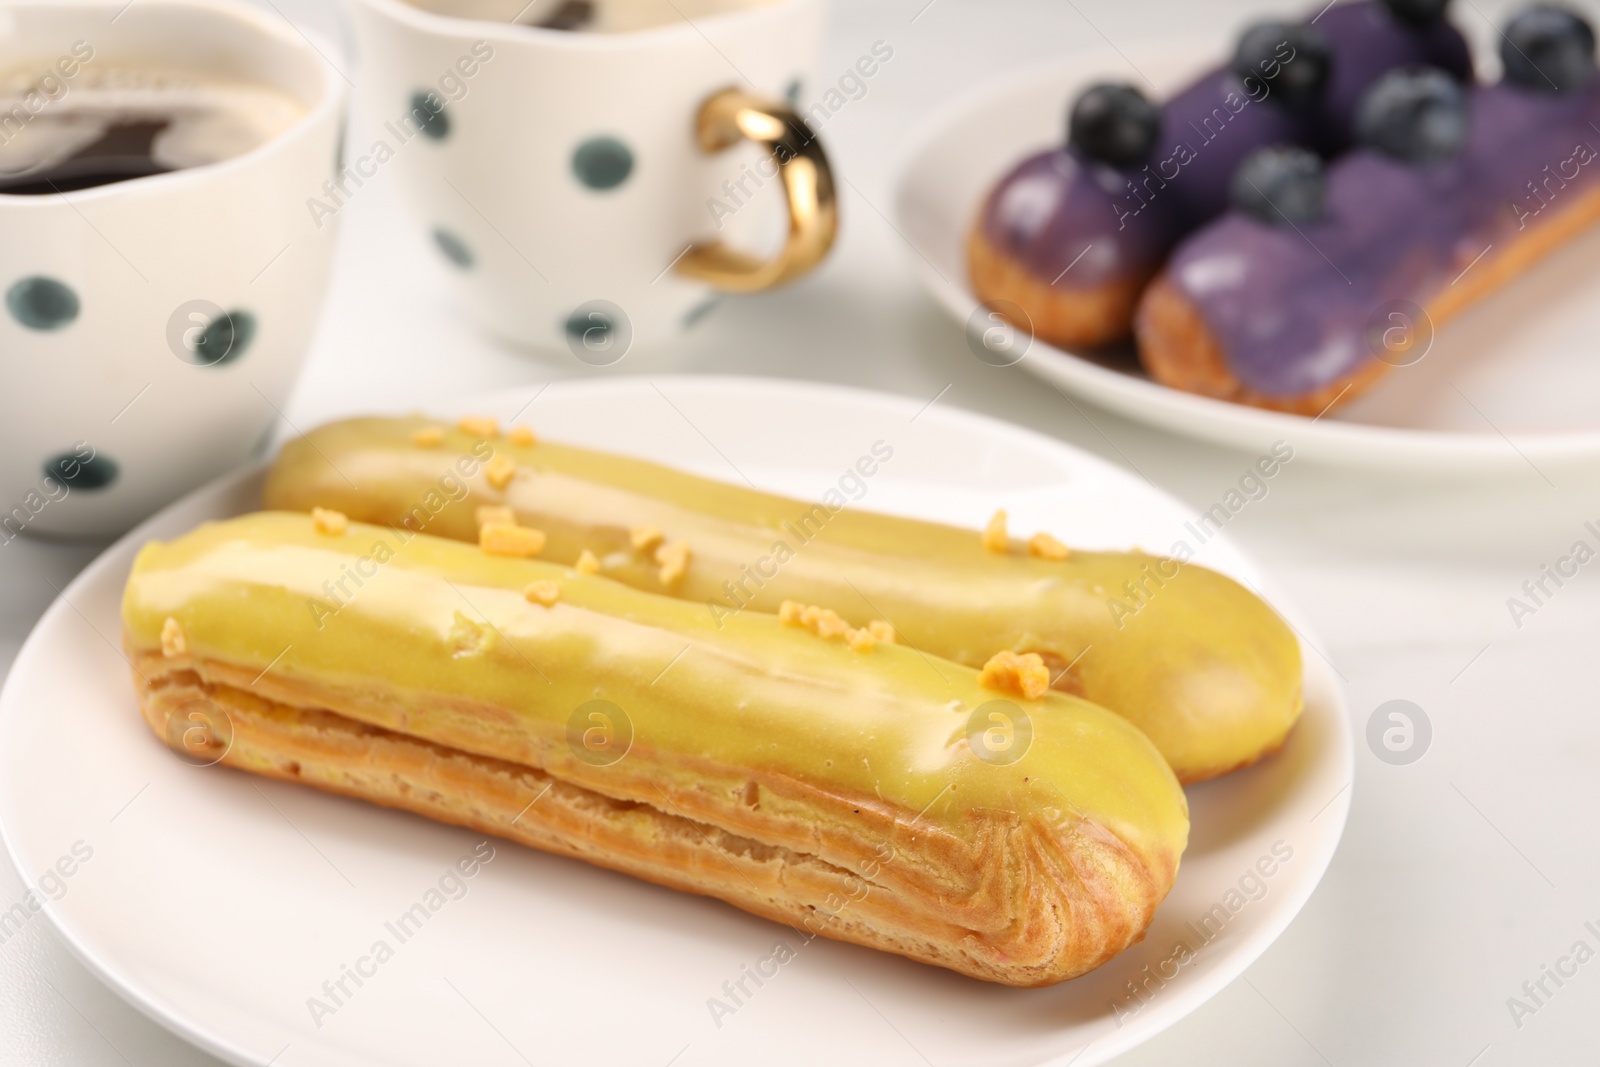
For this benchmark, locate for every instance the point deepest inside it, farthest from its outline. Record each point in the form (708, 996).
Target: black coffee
(125, 150)
(586, 16)
(571, 15)
(116, 124)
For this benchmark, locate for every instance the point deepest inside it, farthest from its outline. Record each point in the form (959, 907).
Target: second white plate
(221, 903)
(1512, 383)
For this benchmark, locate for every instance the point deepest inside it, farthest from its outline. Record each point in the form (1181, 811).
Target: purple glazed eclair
(1072, 235)
(1320, 280)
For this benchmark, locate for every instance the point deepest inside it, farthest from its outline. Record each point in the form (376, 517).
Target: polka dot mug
(152, 327)
(594, 174)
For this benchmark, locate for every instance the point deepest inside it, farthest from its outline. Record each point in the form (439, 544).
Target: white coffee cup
(111, 403)
(588, 190)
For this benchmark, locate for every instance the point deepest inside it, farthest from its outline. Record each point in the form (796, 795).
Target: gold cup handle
(731, 116)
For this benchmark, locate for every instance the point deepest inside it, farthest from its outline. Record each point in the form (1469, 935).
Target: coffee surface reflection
(112, 125)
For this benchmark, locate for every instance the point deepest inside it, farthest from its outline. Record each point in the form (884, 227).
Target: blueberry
(1416, 114)
(1548, 49)
(1114, 124)
(1293, 60)
(1417, 13)
(1279, 184)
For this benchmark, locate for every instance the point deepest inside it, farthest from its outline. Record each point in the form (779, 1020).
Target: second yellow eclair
(1203, 666)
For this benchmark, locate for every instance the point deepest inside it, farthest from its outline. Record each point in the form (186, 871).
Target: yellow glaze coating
(1202, 665)
(440, 622)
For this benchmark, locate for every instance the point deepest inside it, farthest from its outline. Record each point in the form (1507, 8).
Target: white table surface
(1460, 875)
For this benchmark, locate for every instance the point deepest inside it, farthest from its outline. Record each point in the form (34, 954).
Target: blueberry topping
(1114, 124)
(1293, 60)
(1417, 114)
(1548, 49)
(1417, 13)
(1279, 184)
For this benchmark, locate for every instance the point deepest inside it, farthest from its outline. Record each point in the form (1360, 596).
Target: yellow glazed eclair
(1203, 666)
(854, 790)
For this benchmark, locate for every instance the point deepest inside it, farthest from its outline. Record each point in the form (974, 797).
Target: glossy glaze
(437, 628)
(1053, 206)
(1205, 668)
(1290, 309)
(1367, 44)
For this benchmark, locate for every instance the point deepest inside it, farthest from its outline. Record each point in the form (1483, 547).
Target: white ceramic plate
(1511, 383)
(219, 903)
